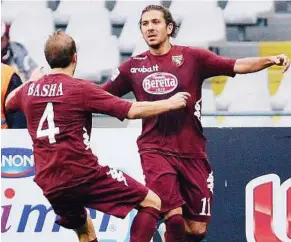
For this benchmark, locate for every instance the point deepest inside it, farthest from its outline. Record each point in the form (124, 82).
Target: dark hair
(59, 49)
(167, 16)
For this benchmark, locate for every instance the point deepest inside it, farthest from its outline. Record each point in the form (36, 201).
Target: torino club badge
(268, 209)
(178, 59)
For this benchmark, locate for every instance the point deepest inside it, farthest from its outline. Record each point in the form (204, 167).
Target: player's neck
(67, 71)
(162, 50)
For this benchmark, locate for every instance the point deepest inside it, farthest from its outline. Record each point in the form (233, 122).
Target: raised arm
(148, 109)
(214, 65)
(97, 100)
(254, 64)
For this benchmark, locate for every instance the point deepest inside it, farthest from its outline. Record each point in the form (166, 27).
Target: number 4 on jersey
(51, 131)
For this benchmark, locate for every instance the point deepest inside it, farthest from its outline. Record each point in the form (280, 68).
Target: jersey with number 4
(155, 77)
(59, 110)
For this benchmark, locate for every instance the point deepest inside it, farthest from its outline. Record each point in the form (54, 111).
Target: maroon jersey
(155, 77)
(58, 110)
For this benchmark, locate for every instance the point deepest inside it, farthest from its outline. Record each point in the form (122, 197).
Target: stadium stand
(208, 105)
(282, 98)
(257, 12)
(246, 93)
(103, 56)
(107, 33)
(33, 40)
(130, 34)
(123, 9)
(281, 101)
(140, 47)
(194, 32)
(68, 8)
(10, 9)
(96, 22)
(182, 9)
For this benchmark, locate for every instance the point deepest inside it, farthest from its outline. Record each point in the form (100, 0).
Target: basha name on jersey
(45, 90)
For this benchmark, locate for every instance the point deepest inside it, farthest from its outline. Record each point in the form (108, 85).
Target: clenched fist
(37, 74)
(179, 100)
(281, 60)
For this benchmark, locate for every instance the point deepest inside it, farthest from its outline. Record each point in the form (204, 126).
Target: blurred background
(107, 33)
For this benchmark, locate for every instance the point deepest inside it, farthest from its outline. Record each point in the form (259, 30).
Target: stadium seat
(68, 8)
(92, 25)
(97, 59)
(235, 14)
(283, 94)
(208, 106)
(36, 30)
(181, 9)
(245, 94)
(281, 101)
(208, 101)
(209, 32)
(242, 90)
(10, 9)
(130, 34)
(123, 9)
(235, 11)
(36, 51)
(140, 47)
(34, 36)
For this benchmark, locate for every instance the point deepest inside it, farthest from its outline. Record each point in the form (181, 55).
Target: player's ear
(75, 58)
(170, 28)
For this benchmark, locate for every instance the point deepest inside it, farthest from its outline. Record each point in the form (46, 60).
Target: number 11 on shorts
(205, 204)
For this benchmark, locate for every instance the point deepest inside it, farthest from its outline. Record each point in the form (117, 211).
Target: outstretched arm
(149, 109)
(96, 100)
(254, 64)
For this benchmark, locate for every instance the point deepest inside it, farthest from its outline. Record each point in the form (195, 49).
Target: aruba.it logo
(268, 209)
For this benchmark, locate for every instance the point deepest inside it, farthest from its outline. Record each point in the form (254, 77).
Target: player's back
(60, 129)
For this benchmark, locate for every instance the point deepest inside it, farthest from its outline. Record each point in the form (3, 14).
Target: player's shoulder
(131, 62)
(68, 82)
(190, 49)
(87, 85)
(194, 53)
(140, 57)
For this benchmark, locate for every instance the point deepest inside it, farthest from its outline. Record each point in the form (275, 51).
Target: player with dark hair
(172, 145)
(59, 111)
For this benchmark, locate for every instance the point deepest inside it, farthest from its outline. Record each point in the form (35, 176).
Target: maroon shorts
(112, 192)
(180, 182)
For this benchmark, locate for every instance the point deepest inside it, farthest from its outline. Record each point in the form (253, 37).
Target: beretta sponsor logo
(160, 83)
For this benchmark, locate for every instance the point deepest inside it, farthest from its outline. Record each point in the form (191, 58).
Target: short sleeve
(119, 84)
(97, 100)
(214, 65)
